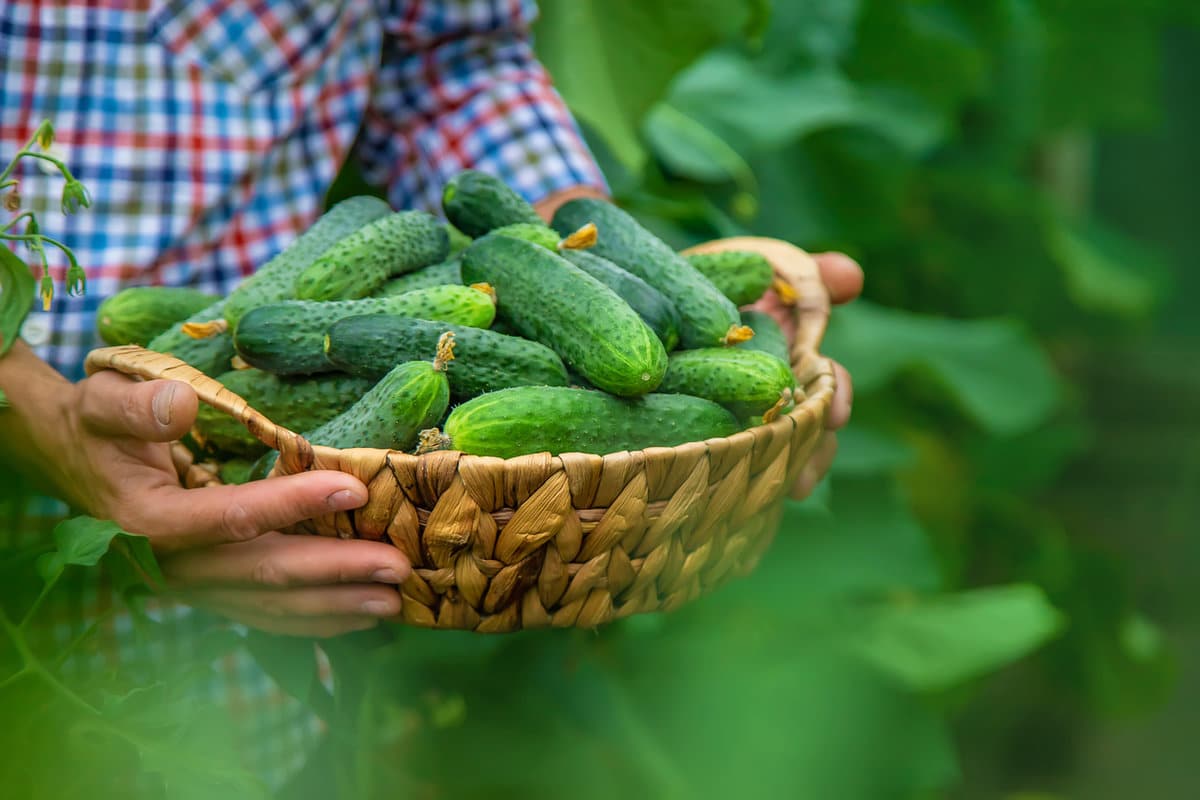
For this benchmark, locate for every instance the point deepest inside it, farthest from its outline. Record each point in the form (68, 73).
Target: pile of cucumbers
(491, 333)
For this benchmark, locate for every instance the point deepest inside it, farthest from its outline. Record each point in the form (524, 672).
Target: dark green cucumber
(138, 314)
(768, 336)
(477, 203)
(288, 338)
(276, 279)
(747, 382)
(442, 274)
(210, 355)
(708, 318)
(741, 275)
(548, 299)
(361, 262)
(483, 360)
(649, 303)
(535, 419)
(295, 403)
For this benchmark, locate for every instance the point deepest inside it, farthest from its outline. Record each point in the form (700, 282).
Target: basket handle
(295, 452)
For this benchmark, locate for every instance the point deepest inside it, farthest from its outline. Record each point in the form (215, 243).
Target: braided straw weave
(499, 545)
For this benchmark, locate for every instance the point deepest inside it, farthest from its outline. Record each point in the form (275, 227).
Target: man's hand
(106, 452)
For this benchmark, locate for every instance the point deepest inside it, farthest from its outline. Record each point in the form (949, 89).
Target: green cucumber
(741, 275)
(540, 234)
(649, 303)
(361, 262)
(288, 338)
(768, 335)
(138, 314)
(747, 382)
(477, 203)
(459, 241)
(210, 355)
(548, 299)
(534, 419)
(276, 279)
(441, 274)
(707, 317)
(483, 360)
(295, 403)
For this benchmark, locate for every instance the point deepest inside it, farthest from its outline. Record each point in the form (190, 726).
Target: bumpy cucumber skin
(649, 303)
(747, 382)
(540, 234)
(276, 280)
(549, 300)
(484, 360)
(295, 403)
(441, 274)
(477, 203)
(706, 315)
(741, 275)
(413, 396)
(138, 314)
(211, 356)
(288, 338)
(768, 336)
(534, 419)
(361, 262)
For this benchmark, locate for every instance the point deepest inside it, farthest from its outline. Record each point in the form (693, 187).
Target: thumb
(113, 404)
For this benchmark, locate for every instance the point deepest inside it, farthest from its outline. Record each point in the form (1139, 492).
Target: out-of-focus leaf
(1103, 274)
(613, 59)
(993, 367)
(16, 295)
(806, 33)
(869, 451)
(934, 643)
(80, 541)
(693, 151)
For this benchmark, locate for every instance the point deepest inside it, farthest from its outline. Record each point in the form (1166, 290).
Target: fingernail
(343, 500)
(162, 404)
(378, 608)
(385, 575)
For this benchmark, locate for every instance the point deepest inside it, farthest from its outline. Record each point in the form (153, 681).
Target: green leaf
(612, 60)
(935, 643)
(80, 541)
(292, 663)
(869, 451)
(693, 151)
(16, 295)
(995, 369)
(1105, 274)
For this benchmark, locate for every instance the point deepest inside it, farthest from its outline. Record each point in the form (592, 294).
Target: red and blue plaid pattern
(208, 132)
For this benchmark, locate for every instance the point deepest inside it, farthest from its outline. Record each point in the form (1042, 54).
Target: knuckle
(237, 524)
(269, 573)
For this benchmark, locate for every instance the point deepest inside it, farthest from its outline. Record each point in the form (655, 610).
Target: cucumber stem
(445, 351)
(581, 239)
(772, 413)
(785, 291)
(204, 330)
(237, 362)
(431, 440)
(486, 288)
(737, 334)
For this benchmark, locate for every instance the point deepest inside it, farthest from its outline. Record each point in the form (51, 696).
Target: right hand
(219, 547)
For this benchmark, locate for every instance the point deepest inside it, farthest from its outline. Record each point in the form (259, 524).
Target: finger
(314, 627)
(817, 467)
(277, 560)
(843, 399)
(348, 600)
(176, 518)
(113, 404)
(842, 275)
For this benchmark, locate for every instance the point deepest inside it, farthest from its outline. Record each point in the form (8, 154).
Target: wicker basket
(498, 545)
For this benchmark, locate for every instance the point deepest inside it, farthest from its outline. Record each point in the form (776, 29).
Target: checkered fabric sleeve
(460, 87)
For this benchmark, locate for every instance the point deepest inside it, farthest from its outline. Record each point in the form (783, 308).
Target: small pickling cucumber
(548, 299)
(477, 203)
(768, 336)
(276, 279)
(483, 360)
(288, 338)
(534, 419)
(708, 318)
(447, 272)
(458, 240)
(649, 303)
(138, 314)
(747, 382)
(210, 355)
(741, 275)
(296, 403)
(361, 262)
(410, 398)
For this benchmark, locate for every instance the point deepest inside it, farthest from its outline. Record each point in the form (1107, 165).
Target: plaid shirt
(208, 131)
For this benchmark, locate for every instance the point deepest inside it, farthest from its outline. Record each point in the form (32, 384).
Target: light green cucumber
(747, 382)
(741, 275)
(139, 313)
(447, 272)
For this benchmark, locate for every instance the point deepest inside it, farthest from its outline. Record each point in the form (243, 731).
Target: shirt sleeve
(459, 87)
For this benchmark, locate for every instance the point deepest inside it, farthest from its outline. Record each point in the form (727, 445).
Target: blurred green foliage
(945, 144)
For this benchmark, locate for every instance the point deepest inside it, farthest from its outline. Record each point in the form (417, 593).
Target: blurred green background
(992, 596)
